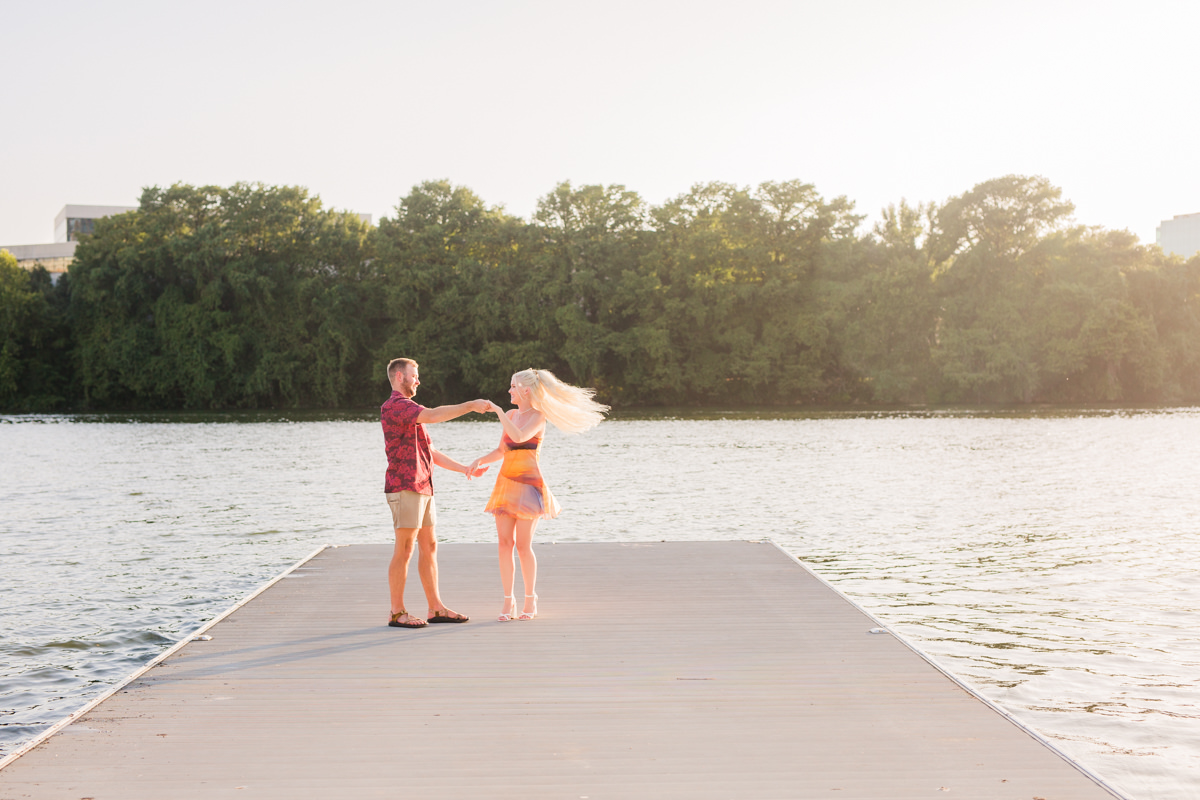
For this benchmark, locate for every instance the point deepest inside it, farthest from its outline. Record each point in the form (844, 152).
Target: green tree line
(257, 296)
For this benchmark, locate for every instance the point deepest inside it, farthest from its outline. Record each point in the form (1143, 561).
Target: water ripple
(1045, 559)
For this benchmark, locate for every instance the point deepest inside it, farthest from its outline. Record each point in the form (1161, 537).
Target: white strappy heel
(530, 614)
(509, 616)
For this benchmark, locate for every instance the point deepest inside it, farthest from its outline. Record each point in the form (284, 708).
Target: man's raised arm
(443, 413)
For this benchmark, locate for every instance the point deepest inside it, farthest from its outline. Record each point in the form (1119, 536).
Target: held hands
(485, 407)
(475, 470)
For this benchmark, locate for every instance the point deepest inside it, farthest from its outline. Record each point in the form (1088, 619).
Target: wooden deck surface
(673, 670)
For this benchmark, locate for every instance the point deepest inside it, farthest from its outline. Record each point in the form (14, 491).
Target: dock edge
(170, 651)
(1103, 784)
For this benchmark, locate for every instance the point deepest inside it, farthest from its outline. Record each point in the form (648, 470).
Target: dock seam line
(179, 645)
(968, 689)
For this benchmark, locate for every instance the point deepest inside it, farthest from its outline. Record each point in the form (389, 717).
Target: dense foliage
(256, 296)
(35, 365)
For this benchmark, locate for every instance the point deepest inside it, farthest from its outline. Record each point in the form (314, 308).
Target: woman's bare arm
(495, 455)
(446, 462)
(535, 424)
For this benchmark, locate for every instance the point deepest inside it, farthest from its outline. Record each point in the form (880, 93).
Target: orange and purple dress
(520, 491)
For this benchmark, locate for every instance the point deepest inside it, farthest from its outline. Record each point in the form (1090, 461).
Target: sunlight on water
(1048, 561)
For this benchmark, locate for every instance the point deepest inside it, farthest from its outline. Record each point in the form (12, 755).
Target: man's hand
(475, 470)
(481, 406)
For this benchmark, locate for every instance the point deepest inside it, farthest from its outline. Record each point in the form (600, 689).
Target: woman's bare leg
(504, 534)
(523, 536)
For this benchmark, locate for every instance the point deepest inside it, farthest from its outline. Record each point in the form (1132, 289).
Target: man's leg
(428, 569)
(398, 574)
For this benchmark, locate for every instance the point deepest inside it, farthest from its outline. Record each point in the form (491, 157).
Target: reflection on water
(1045, 558)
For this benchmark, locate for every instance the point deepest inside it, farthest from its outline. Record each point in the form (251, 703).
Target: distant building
(70, 223)
(54, 257)
(1180, 236)
(73, 221)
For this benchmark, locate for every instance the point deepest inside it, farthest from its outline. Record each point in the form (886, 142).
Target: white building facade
(1179, 236)
(70, 223)
(75, 220)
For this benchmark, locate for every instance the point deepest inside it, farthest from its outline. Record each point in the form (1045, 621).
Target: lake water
(1048, 560)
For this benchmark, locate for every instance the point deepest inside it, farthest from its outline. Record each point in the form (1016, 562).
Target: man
(409, 489)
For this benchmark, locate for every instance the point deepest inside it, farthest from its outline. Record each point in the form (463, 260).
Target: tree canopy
(257, 296)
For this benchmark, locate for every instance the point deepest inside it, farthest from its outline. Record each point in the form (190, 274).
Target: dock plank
(656, 670)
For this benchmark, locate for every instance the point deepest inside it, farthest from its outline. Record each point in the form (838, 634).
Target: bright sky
(359, 100)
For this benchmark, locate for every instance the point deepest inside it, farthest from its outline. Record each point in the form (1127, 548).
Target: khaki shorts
(412, 510)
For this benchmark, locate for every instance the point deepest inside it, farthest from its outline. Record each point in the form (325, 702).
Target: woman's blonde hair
(569, 408)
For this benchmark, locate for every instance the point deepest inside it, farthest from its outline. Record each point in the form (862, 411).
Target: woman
(521, 497)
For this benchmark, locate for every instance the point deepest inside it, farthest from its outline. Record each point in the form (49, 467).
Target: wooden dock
(673, 670)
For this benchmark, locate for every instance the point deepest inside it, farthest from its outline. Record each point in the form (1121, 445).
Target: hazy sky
(359, 100)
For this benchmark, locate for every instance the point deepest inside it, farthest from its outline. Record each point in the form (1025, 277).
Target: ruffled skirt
(520, 491)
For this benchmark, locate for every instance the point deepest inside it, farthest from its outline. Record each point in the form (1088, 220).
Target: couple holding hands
(518, 501)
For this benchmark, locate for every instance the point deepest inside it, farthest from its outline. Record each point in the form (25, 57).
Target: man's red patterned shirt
(409, 455)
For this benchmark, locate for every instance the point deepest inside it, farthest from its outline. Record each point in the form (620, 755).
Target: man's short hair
(397, 364)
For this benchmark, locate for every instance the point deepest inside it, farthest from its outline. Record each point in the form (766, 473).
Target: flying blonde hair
(569, 408)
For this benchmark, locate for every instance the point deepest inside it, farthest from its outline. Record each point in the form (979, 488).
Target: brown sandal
(395, 622)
